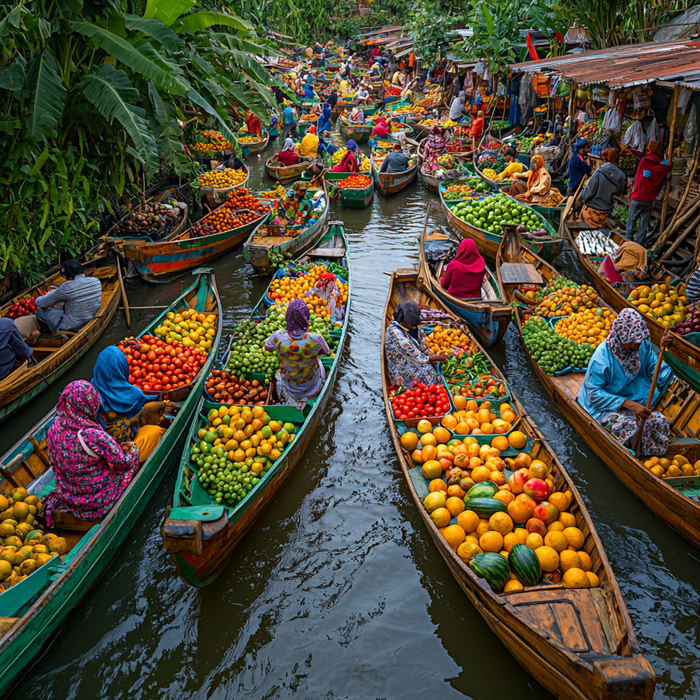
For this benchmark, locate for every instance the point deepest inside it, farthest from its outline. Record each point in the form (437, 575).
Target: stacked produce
(526, 144)
(479, 419)
(444, 340)
(236, 449)
(338, 156)
(567, 300)
(464, 365)
(357, 181)
(491, 164)
(230, 389)
(189, 328)
(468, 188)
(485, 387)
(150, 218)
(553, 352)
(278, 192)
(157, 365)
(284, 289)
(213, 142)
(669, 468)
(555, 198)
(663, 303)
(221, 179)
(493, 212)
(242, 199)
(690, 325)
(223, 218)
(23, 307)
(590, 326)
(421, 401)
(248, 139)
(392, 91)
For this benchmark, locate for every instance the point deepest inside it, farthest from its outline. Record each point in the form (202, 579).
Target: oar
(125, 301)
(652, 389)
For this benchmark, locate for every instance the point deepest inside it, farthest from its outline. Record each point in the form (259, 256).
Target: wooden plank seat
(64, 520)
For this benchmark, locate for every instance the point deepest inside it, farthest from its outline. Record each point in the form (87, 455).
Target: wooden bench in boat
(63, 520)
(327, 253)
(520, 273)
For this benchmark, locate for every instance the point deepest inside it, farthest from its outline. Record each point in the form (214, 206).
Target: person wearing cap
(598, 195)
(513, 167)
(651, 175)
(457, 108)
(578, 165)
(362, 94)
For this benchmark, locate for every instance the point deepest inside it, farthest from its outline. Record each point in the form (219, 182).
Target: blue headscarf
(352, 146)
(581, 143)
(111, 379)
(324, 121)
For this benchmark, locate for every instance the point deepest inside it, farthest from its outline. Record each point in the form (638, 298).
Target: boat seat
(327, 253)
(520, 273)
(64, 520)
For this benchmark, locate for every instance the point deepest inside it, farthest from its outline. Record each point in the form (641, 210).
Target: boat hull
(359, 133)
(288, 173)
(352, 198)
(430, 181)
(392, 183)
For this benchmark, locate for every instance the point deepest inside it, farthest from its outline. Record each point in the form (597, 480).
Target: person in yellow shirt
(309, 144)
(514, 167)
(344, 87)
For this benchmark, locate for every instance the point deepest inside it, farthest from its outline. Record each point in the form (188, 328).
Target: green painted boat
(201, 535)
(34, 609)
(350, 197)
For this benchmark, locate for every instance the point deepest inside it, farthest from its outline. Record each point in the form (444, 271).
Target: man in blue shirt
(578, 165)
(290, 125)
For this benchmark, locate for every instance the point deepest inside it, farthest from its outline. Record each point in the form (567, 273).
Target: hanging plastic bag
(634, 137)
(690, 133)
(652, 132)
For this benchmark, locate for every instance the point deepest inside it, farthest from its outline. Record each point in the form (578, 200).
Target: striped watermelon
(492, 567)
(486, 507)
(525, 564)
(484, 489)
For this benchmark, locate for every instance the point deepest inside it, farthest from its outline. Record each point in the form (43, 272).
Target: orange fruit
(467, 550)
(513, 585)
(450, 422)
(576, 578)
(498, 478)
(409, 441)
(567, 520)
(428, 453)
(508, 416)
(586, 563)
(482, 527)
(500, 442)
(442, 435)
(471, 539)
(461, 428)
(568, 559)
(504, 496)
(593, 579)
(468, 520)
(491, 541)
(549, 559)
(456, 490)
(460, 402)
(534, 540)
(437, 485)
(522, 534)
(501, 522)
(481, 474)
(556, 540)
(454, 535)
(472, 405)
(434, 500)
(441, 517)
(424, 426)
(510, 540)
(556, 526)
(483, 415)
(575, 537)
(559, 499)
(454, 505)
(517, 440)
(432, 469)
(428, 440)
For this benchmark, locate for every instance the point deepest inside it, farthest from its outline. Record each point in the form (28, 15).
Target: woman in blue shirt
(617, 385)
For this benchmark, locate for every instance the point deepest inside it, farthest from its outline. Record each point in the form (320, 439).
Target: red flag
(560, 38)
(531, 48)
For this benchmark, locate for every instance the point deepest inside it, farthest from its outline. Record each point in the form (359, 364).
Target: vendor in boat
(125, 412)
(435, 144)
(326, 288)
(288, 156)
(92, 469)
(309, 144)
(14, 352)
(458, 109)
(73, 305)
(399, 79)
(465, 273)
(333, 99)
(381, 130)
(356, 115)
(408, 357)
(362, 94)
(538, 187)
(345, 87)
(301, 374)
(514, 167)
(476, 130)
(349, 163)
(324, 121)
(325, 145)
(628, 267)
(253, 123)
(617, 384)
(309, 92)
(602, 187)
(395, 162)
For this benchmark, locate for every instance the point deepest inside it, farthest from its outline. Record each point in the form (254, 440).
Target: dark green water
(337, 591)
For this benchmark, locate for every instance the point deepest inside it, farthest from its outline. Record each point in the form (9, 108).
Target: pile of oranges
(284, 289)
(214, 143)
(242, 199)
(472, 419)
(443, 340)
(567, 300)
(591, 326)
(357, 181)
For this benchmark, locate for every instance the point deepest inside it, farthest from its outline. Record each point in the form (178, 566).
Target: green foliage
(429, 26)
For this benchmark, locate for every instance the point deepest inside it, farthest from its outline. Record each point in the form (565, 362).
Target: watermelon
(525, 564)
(486, 507)
(484, 489)
(493, 567)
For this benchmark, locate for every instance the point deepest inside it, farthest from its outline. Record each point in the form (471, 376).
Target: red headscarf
(469, 258)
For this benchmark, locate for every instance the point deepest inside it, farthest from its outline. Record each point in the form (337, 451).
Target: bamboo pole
(664, 209)
(690, 209)
(680, 239)
(676, 214)
(122, 291)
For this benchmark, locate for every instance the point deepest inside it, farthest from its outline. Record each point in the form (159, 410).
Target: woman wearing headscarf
(92, 470)
(605, 183)
(539, 183)
(465, 273)
(324, 121)
(349, 163)
(435, 144)
(617, 384)
(326, 288)
(253, 123)
(301, 374)
(381, 130)
(628, 267)
(408, 356)
(122, 405)
(288, 156)
(309, 144)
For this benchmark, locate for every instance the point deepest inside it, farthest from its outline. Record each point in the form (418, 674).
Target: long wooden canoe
(672, 499)
(202, 536)
(682, 356)
(288, 173)
(351, 197)
(487, 319)
(269, 238)
(355, 131)
(488, 242)
(578, 643)
(35, 609)
(48, 363)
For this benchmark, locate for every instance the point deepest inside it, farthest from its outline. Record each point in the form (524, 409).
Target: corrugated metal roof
(623, 66)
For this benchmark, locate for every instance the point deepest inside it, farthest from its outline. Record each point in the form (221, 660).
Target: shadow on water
(337, 591)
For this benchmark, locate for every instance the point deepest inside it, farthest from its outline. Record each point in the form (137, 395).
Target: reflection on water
(337, 591)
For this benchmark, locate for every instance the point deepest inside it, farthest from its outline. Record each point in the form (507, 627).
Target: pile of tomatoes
(157, 365)
(222, 219)
(23, 307)
(359, 182)
(242, 199)
(421, 401)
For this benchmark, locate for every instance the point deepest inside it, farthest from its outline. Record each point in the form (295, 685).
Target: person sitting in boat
(345, 87)
(309, 144)
(458, 109)
(14, 352)
(476, 130)
(288, 156)
(617, 384)
(435, 144)
(326, 288)
(92, 469)
(301, 374)
(356, 115)
(539, 183)
(408, 357)
(324, 120)
(253, 123)
(381, 130)
(125, 412)
(362, 94)
(395, 162)
(628, 267)
(465, 273)
(514, 167)
(604, 184)
(325, 145)
(349, 163)
(73, 305)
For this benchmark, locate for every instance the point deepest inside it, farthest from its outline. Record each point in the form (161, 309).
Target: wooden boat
(351, 197)
(488, 242)
(254, 147)
(682, 355)
(202, 536)
(488, 318)
(170, 193)
(288, 173)
(368, 110)
(391, 183)
(420, 131)
(578, 643)
(464, 154)
(672, 499)
(355, 131)
(35, 609)
(215, 197)
(269, 238)
(55, 355)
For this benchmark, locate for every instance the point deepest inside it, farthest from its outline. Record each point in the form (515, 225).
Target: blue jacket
(578, 169)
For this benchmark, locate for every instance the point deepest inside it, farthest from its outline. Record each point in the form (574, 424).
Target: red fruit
(537, 489)
(536, 525)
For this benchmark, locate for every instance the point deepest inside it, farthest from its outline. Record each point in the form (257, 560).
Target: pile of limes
(553, 352)
(493, 213)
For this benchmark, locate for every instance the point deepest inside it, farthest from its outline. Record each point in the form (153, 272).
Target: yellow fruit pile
(284, 289)
(190, 328)
(474, 419)
(490, 173)
(555, 198)
(215, 143)
(219, 179)
(588, 326)
(660, 302)
(248, 139)
(443, 340)
(677, 466)
(338, 156)
(567, 300)
(278, 192)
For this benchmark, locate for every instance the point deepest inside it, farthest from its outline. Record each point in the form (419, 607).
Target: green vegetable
(469, 366)
(551, 351)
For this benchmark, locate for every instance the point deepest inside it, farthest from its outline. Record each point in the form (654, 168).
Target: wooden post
(676, 92)
(122, 291)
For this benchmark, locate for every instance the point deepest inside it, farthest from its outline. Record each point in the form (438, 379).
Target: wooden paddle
(122, 290)
(652, 389)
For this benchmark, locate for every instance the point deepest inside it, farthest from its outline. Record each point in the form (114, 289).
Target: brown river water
(337, 590)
